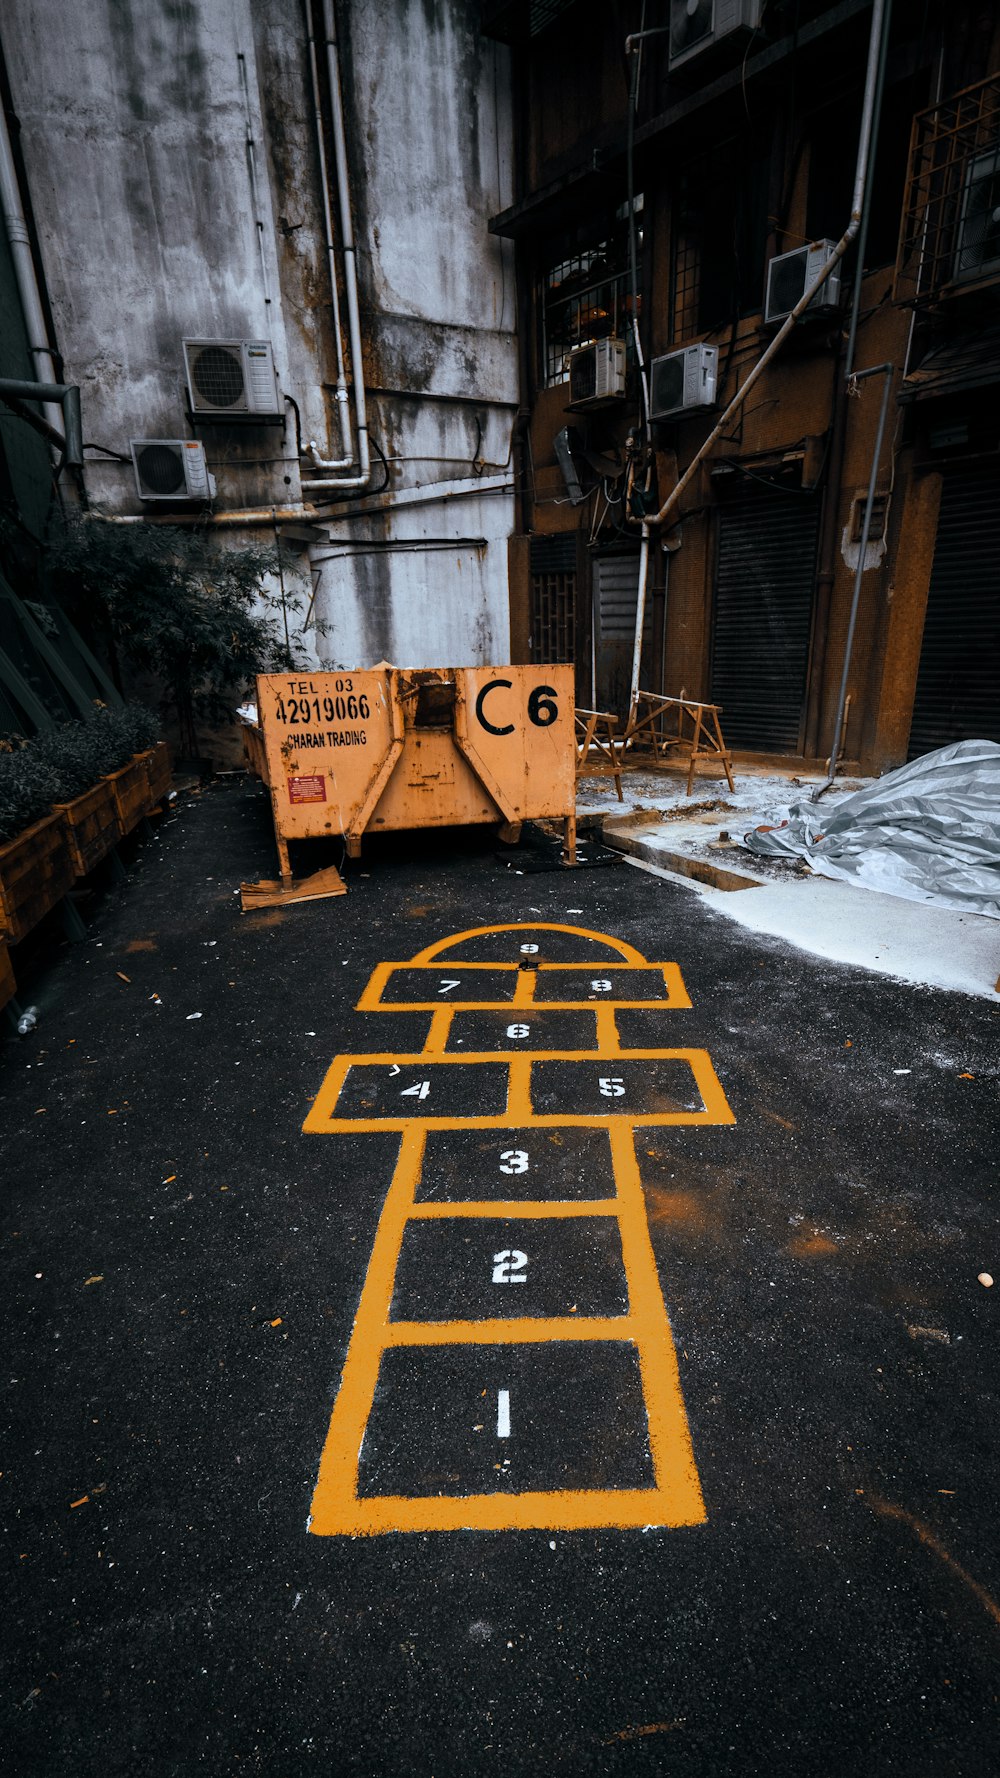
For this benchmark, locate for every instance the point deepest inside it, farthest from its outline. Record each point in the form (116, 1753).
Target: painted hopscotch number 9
(510, 1266)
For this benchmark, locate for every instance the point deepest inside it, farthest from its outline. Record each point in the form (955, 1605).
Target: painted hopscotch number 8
(510, 1266)
(601, 987)
(514, 1160)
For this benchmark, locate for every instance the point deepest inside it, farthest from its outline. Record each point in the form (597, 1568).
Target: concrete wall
(134, 124)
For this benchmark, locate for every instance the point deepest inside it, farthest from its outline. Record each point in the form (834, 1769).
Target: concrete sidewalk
(697, 839)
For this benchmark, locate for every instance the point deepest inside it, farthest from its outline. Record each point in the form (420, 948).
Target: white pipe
(363, 476)
(343, 399)
(251, 149)
(860, 183)
(425, 495)
(640, 619)
(27, 283)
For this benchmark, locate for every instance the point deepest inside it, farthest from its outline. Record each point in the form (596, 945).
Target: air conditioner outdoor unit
(683, 382)
(696, 25)
(597, 374)
(978, 252)
(789, 276)
(171, 469)
(232, 380)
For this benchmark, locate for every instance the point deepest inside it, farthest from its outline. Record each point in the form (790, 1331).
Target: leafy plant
(172, 603)
(61, 763)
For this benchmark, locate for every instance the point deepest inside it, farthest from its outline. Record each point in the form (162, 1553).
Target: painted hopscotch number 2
(674, 1496)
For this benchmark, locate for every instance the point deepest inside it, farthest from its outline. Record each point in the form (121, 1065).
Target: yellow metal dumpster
(348, 753)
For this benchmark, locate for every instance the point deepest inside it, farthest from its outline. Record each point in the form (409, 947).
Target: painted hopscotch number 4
(674, 1498)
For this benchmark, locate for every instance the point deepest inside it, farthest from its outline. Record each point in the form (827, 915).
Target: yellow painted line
(669, 1437)
(511, 1331)
(579, 1509)
(434, 1210)
(440, 1026)
(336, 1486)
(436, 951)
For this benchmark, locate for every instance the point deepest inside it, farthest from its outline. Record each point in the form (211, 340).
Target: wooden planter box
(131, 791)
(8, 986)
(35, 872)
(158, 770)
(91, 826)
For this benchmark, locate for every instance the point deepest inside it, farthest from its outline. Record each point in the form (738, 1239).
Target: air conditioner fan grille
(161, 469)
(217, 374)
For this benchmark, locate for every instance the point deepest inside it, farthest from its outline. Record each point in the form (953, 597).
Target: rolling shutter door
(765, 575)
(616, 595)
(958, 684)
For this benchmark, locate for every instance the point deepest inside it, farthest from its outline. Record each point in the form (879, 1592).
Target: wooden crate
(158, 770)
(8, 986)
(35, 872)
(91, 826)
(131, 791)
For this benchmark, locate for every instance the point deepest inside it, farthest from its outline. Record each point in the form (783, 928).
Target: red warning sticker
(307, 790)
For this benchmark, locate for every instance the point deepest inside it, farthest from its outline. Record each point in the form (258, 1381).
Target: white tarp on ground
(927, 832)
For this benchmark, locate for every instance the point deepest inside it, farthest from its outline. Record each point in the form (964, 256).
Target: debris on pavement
(929, 832)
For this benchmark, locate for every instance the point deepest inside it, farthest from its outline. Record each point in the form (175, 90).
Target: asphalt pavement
(183, 1265)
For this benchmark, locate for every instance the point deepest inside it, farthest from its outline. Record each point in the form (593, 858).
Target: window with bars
(553, 599)
(950, 234)
(719, 238)
(586, 294)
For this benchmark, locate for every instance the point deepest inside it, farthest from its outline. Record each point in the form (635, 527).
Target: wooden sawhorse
(684, 723)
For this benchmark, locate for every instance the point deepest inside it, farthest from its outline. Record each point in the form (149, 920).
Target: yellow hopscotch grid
(524, 996)
(323, 1119)
(675, 1497)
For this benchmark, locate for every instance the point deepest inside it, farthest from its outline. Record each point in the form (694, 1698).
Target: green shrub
(61, 763)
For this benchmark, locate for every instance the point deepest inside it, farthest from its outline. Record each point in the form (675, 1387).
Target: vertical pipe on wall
(342, 397)
(19, 239)
(334, 486)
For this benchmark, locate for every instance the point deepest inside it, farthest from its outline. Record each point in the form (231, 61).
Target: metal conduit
(333, 486)
(877, 36)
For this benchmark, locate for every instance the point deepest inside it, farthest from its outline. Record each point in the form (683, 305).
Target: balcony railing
(950, 235)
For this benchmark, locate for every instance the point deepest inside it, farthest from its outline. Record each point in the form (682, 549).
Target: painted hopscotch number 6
(510, 1266)
(518, 1031)
(514, 1160)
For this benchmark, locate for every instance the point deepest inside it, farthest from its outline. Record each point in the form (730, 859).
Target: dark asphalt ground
(182, 1268)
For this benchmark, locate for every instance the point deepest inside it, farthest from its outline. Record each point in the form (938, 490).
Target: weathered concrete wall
(427, 101)
(134, 125)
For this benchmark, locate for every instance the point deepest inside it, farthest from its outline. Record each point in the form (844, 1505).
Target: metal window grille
(950, 232)
(553, 599)
(587, 296)
(553, 616)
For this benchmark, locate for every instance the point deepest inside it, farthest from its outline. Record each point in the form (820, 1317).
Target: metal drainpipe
(363, 477)
(879, 29)
(24, 271)
(886, 371)
(343, 399)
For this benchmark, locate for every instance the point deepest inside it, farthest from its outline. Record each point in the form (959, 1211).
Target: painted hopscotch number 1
(674, 1498)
